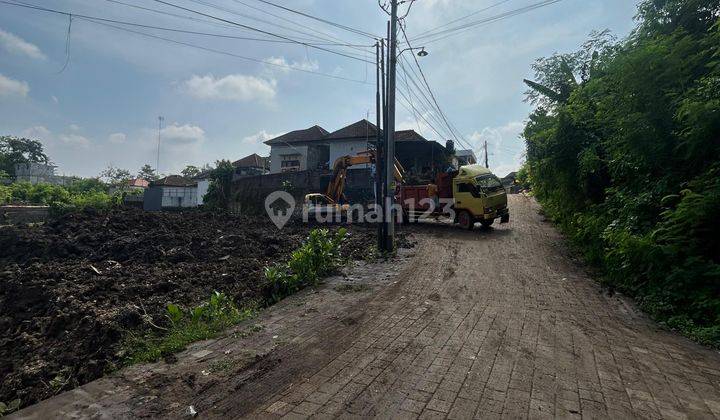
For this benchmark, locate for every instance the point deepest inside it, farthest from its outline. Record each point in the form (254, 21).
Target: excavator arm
(337, 182)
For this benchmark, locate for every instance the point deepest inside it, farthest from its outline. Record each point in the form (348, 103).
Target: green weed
(317, 257)
(10, 407)
(186, 326)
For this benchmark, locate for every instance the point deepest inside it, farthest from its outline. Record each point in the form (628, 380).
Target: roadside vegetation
(77, 196)
(184, 326)
(317, 257)
(623, 152)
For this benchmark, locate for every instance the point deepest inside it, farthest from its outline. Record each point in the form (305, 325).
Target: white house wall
(344, 148)
(179, 197)
(276, 153)
(202, 188)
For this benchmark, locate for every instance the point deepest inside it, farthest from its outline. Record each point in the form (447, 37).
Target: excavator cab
(333, 201)
(320, 205)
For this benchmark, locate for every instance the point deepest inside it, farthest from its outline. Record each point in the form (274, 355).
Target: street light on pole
(389, 169)
(421, 53)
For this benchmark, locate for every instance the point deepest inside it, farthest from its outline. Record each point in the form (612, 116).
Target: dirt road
(467, 324)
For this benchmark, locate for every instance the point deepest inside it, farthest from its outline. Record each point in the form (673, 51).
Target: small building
(39, 173)
(465, 157)
(132, 185)
(299, 150)
(171, 192)
(251, 165)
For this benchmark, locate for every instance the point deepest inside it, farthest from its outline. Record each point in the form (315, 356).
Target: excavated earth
(72, 288)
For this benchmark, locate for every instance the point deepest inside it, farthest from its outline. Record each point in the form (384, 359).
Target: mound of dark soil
(70, 289)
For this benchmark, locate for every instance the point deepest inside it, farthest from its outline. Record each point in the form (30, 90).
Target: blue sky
(102, 108)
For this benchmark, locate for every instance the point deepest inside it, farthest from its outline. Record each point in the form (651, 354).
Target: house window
(290, 163)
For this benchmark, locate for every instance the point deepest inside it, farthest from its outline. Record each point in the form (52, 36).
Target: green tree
(115, 177)
(147, 173)
(623, 154)
(85, 185)
(218, 195)
(14, 150)
(191, 171)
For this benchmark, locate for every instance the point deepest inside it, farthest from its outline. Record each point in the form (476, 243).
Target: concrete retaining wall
(23, 214)
(248, 194)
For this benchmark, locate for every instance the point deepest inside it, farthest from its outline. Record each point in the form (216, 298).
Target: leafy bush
(96, 200)
(79, 195)
(218, 194)
(5, 194)
(185, 326)
(317, 257)
(624, 155)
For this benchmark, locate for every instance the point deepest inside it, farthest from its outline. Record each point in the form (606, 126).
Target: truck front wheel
(486, 223)
(466, 220)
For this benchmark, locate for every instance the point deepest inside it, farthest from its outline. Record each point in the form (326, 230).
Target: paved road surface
(484, 324)
(504, 323)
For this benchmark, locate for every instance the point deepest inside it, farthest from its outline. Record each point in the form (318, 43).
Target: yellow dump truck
(471, 194)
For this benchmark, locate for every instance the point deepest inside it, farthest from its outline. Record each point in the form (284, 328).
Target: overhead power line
(259, 9)
(412, 110)
(108, 23)
(230, 54)
(419, 92)
(463, 17)
(160, 28)
(456, 136)
(422, 108)
(166, 13)
(440, 35)
(262, 31)
(313, 35)
(329, 22)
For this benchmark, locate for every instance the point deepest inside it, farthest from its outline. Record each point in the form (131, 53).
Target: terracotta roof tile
(173, 181)
(309, 134)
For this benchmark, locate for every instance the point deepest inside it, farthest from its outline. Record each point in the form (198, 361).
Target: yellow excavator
(333, 200)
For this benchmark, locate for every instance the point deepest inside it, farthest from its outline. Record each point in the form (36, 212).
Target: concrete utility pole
(390, 155)
(379, 110)
(486, 156)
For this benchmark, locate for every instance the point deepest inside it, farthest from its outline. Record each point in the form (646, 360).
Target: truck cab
(479, 197)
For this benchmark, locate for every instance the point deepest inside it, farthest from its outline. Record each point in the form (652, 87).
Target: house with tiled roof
(350, 140)
(170, 192)
(253, 164)
(315, 148)
(299, 150)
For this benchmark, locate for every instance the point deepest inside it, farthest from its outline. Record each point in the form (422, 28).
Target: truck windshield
(489, 183)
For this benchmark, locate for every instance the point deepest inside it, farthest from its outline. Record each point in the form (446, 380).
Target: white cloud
(280, 63)
(10, 87)
(234, 87)
(74, 127)
(117, 138)
(182, 135)
(16, 45)
(259, 138)
(505, 146)
(38, 132)
(504, 137)
(55, 99)
(75, 140)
